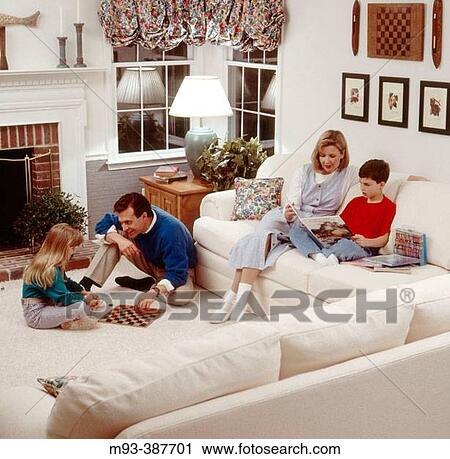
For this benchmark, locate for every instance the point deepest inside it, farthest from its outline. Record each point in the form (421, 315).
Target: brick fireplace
(41, 112)
(43, 140)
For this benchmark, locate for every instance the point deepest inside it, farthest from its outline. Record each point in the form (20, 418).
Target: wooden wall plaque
(356, 14)
(396, 30)
(436, 36)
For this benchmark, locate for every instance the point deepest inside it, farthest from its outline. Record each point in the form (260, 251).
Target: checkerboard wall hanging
(396, 31)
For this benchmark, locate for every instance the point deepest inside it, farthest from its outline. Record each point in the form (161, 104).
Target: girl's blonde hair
(53, 252)
(335, 138)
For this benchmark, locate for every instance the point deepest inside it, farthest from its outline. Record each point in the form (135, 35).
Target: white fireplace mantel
(56, 97)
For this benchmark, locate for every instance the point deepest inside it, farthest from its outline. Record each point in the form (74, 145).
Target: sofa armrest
(218, 205)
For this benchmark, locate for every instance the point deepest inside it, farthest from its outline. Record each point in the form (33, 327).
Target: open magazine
(326, 230)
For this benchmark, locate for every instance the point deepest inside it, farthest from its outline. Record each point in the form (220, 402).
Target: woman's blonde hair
(53, 252)
(335, 138)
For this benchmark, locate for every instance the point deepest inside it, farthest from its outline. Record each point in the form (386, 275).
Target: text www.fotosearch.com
(242, 448)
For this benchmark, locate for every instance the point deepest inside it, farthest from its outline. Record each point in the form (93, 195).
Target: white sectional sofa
(286, 379)
(283, 379)
(419, 205)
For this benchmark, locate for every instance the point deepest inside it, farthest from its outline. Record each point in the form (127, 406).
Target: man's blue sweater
(168, 245)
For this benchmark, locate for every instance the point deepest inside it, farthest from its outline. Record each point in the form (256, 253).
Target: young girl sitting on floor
(49, 298)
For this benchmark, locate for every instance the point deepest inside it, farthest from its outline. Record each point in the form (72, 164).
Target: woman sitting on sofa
(317, 189)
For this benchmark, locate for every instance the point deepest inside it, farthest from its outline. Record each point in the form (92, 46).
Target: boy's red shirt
(371, 220)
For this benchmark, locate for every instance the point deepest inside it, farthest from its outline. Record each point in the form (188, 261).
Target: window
(146, 84)
(252, 95)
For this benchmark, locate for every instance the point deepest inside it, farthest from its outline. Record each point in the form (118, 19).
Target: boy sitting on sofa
(369, 217)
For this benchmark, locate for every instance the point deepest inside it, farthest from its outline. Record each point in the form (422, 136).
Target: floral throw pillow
(255, 197)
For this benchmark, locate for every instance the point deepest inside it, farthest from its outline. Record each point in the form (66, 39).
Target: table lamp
(268, 101)
(199, 97)
(129, 88)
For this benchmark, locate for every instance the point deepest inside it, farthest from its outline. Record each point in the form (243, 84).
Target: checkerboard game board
(127, 315)
(396, 31)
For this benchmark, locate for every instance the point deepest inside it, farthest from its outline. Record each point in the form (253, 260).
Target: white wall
(316, 50)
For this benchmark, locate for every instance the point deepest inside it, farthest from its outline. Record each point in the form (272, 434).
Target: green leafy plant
(221, 164)
(46, 210)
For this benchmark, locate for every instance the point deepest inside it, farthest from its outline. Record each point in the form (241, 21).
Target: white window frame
(259, 66)
(131, 160)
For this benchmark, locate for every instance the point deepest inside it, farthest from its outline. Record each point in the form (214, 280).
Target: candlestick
(61, 32)
(62, 52)
(78, 11)
(79, 30)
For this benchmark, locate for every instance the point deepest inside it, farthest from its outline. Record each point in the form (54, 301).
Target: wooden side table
(180, 198)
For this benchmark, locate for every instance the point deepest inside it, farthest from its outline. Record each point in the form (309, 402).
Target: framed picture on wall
(393, 101)
(355, 96)
(434, 114)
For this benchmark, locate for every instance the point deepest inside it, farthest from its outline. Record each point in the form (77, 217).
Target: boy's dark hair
(136, 201)
(375, 169)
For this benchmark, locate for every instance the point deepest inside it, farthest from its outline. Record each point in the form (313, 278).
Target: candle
(78, 11)
(61, 22)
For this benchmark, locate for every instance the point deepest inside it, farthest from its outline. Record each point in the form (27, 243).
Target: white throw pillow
(432, 310)
(230, 359)
(309, 346)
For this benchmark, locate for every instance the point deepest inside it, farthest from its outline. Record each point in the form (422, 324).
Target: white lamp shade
(128, 90)
(268, 101)
(201, 97)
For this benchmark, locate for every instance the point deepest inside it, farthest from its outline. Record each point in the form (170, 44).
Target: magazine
(327, 230)
(363, 263)
(411, 244)
(392, 261)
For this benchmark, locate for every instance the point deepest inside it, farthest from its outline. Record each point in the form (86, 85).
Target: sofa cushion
(292, 270)
(219, 236)
(422, 206)
(346, 276)
(315, 343)
(432, 310)
(227, 360)
(24, 412)
(256, 197)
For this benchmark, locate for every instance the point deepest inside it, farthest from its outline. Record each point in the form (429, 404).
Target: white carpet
(27, 353)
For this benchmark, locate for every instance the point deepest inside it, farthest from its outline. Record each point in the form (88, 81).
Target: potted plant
(46, 210)
(221, 164)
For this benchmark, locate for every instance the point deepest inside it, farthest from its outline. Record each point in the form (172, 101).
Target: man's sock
(144, 284)
(87, 283)
(320, 258)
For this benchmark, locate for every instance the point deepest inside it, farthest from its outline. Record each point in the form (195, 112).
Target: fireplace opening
(13, 190)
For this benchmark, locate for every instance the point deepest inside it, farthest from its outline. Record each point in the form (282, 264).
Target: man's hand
(149, 301)
(126, 247)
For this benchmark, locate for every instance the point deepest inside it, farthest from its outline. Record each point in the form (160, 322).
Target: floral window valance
(244, 24)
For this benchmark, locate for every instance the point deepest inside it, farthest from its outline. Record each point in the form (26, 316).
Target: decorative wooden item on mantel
(6, 20)
(436, 44)
(356, 17)
(395, 31)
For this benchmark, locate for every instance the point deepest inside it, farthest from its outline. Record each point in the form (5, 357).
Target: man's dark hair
(375, 169)
(136, 201)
